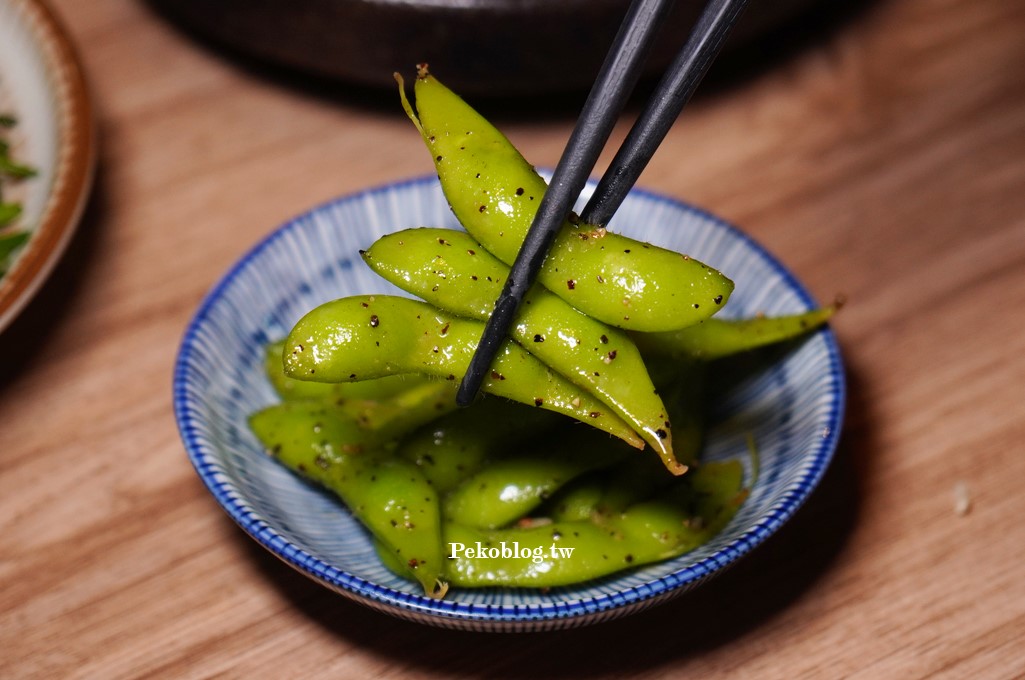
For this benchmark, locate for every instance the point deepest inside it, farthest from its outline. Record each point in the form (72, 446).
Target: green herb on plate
(11, 238)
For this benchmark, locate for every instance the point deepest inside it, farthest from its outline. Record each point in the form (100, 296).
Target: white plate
(43, 85)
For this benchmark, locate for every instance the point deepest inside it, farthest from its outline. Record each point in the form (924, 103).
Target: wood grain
(884, 160)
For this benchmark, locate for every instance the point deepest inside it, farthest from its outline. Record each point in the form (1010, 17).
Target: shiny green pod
(565, 553)
(718, 338)
(495, 193)
(510, 488)
(557, 554)
(403, 411)
(453, 447)
(451, 270)
(635, 480)
(631, 481)
(390, 497)
(290, 389)
(365, 337)
(397, 402)
(578, 500)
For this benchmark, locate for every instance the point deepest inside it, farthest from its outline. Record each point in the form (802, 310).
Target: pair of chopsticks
(615, 81)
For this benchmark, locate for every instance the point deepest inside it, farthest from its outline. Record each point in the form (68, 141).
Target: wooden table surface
(883, 159)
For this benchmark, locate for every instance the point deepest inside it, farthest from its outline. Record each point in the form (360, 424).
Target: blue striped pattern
(793, 409)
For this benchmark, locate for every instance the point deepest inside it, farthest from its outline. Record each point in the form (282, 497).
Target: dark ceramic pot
(477, 46)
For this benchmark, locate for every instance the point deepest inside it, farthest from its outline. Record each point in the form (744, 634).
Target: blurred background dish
(507, 47)
(44, 88)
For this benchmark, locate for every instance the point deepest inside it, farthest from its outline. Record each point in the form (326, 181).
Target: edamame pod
(565, 553)
(388, 496)
(632, 481)
(449, 269)
(319, 427)
(404, 411)
(495, 193)
(363, 337)
(718, 338)
(510, 488)
(455, 446)
(402, 403)
(290, 389)
(626, 485)
(578, 500)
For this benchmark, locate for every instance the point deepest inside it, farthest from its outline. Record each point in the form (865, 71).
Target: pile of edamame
(513, 491)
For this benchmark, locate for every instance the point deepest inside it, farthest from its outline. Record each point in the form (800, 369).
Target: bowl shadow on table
(815, 26)
(28, 334)
(751, 595)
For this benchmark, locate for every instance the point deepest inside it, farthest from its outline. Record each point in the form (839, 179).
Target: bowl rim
(449, 613)
(74, 172)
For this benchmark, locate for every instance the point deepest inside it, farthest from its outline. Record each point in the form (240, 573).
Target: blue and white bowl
(794, 409)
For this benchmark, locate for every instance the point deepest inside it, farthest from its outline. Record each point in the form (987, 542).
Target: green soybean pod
(391, 558)
(715, 492)
(388, 496)
(315, 429)
(578, 500)
(455, 446)
(495, 193)
(450, 270)
(545, 556)
(403, 411)
(422, 402)
(363, 337)
(290, 389)
(685, 399)
(717, 338)
(510, 488)
(566, 553)
(628, 484)
(611, 491)
(685, 396)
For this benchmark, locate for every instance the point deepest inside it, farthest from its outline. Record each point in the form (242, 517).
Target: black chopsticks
(615, 81)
